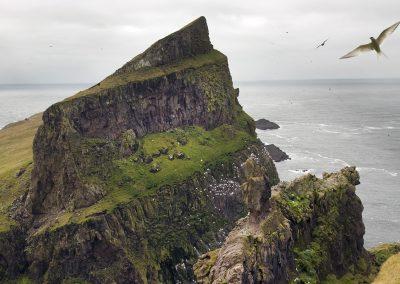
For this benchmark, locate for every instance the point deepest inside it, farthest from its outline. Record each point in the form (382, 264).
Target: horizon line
(238, 81)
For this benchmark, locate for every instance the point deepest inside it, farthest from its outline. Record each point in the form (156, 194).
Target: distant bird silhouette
(375, 44)
(322, 44)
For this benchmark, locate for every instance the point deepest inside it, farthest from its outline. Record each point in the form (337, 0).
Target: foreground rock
(309, 229)
(276, 153)
(264, 124)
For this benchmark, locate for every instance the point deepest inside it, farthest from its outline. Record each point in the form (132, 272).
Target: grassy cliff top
(143, 74)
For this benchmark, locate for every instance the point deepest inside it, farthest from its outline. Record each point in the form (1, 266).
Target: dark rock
(276, 154)
(182, 140)
(264, 124)
(180, 155)
(164, 151)
(148, 159)
(155, 168)
(156, 154)
(191, 40)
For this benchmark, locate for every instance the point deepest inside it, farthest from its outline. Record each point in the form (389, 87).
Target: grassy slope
(153, 72)
(132, 178)
(15, 153)
(16, 143)
(390, 271)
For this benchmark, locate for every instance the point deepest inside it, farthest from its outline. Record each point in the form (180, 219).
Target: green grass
(153, 72)
(16, 143)
(131, 177)
(384, 251)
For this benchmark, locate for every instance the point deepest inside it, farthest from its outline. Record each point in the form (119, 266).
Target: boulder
(264, 124)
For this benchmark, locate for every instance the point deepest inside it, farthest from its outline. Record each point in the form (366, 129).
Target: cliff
(133, 178)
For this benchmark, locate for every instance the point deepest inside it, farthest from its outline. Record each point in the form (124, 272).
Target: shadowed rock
(191, 40)
(264, 124)
(276, 153)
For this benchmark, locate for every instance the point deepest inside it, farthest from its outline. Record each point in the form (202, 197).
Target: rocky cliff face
(179, 81)
(310, 228)
(135, 177)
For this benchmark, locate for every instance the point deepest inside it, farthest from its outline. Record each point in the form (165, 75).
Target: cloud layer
(62, 41)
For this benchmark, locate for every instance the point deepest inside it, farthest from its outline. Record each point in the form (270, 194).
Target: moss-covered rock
(309, 230)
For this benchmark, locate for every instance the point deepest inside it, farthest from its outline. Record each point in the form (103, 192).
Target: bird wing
(358, 50)
(386, 33)
(322, 44)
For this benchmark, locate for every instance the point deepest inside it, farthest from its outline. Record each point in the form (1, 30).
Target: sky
(71, 41)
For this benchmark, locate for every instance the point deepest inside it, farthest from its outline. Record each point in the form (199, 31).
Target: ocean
(325, 125)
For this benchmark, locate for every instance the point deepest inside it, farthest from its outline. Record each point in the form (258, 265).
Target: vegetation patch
(12, 185)
(132, 177)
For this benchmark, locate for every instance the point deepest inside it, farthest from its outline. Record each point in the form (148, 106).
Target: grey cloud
(92, 38)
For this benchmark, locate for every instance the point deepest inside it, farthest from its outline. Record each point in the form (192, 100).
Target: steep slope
(134, 177)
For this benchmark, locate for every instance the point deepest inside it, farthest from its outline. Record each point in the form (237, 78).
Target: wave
(302, 171)
(366, 169)
(337, 129)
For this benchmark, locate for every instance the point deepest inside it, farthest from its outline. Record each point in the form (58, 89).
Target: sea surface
(325, 125)
(18, 102)
(329, 124)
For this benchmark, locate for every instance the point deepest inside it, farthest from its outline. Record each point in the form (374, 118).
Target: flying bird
(375, 44)
(322, 44)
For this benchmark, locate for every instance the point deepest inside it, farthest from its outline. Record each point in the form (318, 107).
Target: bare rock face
(310, 228)
(276, 153)
(193, 87)
(190, 41)
(256, 189)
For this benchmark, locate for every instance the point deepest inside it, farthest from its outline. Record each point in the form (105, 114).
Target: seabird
(374, 44)
(322, 44)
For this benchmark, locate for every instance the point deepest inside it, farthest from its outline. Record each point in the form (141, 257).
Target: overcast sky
(71, 41)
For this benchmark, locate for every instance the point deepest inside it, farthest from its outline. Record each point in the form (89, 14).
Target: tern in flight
(322, 44)
(375, 44)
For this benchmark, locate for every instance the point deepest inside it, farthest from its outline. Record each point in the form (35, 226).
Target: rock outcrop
(276, 153)
(264, 124)
(310, 228)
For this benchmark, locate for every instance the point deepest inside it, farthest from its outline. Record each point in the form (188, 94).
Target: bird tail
(382, 53)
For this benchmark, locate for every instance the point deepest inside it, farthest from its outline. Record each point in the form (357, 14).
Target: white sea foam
(302, 171)
(370, 169)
